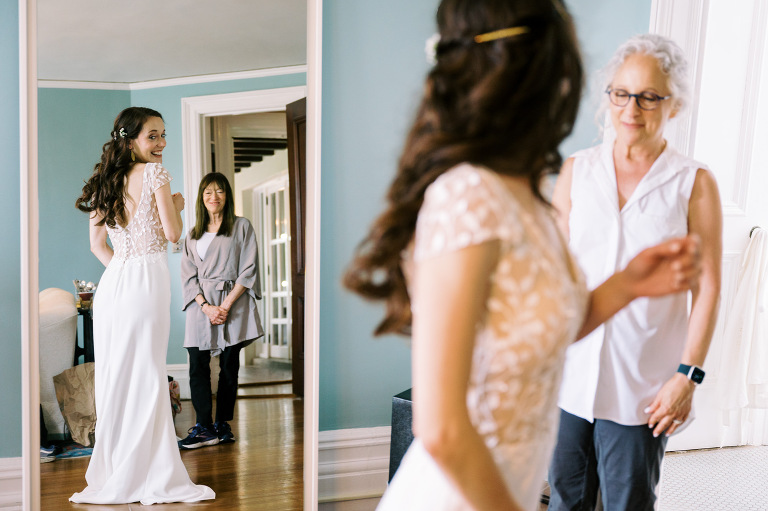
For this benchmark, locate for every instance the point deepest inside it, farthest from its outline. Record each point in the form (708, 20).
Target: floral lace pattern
(144, 233)
(536, 305)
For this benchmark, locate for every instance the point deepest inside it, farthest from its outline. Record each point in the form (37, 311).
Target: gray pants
(624, 462)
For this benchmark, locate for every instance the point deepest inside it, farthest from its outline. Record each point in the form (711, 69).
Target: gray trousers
(623, 462)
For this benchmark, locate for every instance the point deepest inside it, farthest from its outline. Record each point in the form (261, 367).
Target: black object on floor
(402, 429)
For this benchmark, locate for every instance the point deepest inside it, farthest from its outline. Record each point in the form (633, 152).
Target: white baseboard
(180, 373)
(10, 484)
(353, 463)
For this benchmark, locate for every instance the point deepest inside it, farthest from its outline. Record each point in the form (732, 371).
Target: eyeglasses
(644, 100)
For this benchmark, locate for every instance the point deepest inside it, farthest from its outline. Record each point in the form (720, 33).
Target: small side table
(86, 350)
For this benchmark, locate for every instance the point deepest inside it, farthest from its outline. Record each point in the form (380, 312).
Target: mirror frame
(29, 226)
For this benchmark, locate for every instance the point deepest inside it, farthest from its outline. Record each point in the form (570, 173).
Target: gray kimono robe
(229, 260)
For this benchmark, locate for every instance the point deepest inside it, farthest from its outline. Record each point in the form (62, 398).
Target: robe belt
(221, 285)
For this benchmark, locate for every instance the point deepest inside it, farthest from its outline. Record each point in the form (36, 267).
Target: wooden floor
(262, 470)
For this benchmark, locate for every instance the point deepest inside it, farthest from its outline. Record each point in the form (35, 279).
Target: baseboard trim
(180, 373)
(10, 484)
(353, 463)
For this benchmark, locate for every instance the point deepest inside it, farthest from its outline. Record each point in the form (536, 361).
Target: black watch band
(694, 373)
(205, 302)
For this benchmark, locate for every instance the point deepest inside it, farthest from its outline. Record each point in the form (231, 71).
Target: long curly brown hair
(104, 192)
(504, 104)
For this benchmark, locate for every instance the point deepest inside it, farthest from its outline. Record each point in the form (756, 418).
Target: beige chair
(58, 334)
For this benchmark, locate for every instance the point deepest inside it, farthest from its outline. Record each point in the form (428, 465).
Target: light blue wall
(373, 70)
(10, 283)
(73, 126)
(601, 26)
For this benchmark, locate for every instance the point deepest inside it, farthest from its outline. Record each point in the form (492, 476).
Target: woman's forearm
(605, 301)
(467, 462)
(701, 324)
(231, 298)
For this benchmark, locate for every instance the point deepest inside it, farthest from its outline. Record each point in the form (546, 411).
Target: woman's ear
(675, 110)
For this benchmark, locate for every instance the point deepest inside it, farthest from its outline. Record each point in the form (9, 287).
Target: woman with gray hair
(630, 383)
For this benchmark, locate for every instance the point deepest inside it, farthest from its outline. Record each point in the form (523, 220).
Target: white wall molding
(10, 484)
(312, 282)
(353, 463)
(172, 82)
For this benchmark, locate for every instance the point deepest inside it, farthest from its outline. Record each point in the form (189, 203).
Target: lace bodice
(144, 233)
(536, 304)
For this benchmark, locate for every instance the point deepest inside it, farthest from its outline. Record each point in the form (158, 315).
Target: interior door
(725, 128)
(296, 119)
(277, 296)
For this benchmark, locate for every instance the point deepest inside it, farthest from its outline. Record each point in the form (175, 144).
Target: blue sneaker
(48, 453)
(199, 436)
(224, 432)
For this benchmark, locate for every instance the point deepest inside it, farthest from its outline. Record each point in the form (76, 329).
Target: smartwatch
(694, 373)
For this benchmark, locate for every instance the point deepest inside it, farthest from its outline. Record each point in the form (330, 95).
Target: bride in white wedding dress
(136, 456)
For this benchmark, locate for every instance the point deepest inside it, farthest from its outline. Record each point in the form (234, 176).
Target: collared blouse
(229, 260)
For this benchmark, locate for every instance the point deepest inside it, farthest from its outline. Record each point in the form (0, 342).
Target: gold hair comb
(501, 34)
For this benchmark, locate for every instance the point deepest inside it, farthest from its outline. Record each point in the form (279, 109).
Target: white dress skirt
(136, 456)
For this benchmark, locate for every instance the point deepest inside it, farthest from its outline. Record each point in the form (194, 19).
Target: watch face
(697, 376)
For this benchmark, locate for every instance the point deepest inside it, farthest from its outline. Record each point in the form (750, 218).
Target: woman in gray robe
(220, 279)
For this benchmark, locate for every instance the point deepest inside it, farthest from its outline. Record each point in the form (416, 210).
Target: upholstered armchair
(58, 334)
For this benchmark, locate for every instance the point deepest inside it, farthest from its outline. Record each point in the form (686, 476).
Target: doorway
(251, 149)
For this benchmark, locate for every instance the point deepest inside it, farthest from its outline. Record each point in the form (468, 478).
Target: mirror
(71, 89)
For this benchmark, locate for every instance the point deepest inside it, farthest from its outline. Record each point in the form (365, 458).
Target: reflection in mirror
(91, 67)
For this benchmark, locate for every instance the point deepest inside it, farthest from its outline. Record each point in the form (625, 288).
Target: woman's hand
(671, 406)
(178, 201)
(670, 267)
(216, 314)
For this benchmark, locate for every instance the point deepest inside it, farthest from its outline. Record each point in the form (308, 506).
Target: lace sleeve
(158, 176)
(463, 207)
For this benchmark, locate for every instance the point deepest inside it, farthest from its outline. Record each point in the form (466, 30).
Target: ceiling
(128, 41)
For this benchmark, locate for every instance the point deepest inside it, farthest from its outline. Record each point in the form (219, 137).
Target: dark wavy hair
(505, 104)
(104, 192)
(201, 214)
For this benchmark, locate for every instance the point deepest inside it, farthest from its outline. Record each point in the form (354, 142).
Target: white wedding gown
(136, 457)
(534, 310)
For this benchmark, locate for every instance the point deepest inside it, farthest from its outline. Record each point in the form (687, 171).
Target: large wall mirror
(226, 70)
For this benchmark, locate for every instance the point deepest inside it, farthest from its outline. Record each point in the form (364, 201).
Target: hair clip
(501, 34)
(122, 133)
